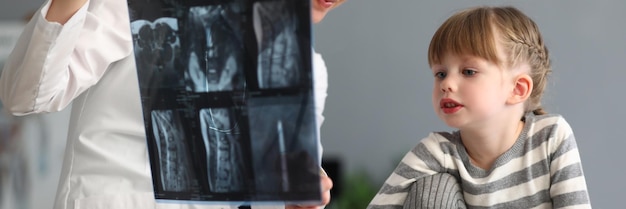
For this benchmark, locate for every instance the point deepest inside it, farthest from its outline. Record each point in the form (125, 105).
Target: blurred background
(31, 147)
(379, 102)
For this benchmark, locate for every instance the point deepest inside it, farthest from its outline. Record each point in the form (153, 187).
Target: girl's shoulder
(548, 127)
(553, 120)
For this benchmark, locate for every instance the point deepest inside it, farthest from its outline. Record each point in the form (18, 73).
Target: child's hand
(327, 184)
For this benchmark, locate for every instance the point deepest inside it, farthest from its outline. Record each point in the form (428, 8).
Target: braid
(536, 51)
(525, 44)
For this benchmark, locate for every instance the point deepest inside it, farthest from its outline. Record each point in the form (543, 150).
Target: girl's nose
(446, 86)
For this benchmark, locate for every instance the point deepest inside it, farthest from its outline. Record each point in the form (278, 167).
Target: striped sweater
(541, 170)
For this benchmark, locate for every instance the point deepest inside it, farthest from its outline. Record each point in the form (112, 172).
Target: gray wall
(18, 9)
(379, 96)
(379, 102)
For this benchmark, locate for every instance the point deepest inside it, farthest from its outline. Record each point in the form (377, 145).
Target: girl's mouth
(449, 106)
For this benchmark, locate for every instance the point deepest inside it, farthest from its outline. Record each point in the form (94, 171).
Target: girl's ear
(523, 86)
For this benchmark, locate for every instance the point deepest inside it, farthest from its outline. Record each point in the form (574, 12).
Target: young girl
(490, 66)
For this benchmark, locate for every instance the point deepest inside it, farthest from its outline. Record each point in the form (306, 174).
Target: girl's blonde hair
(472, 32)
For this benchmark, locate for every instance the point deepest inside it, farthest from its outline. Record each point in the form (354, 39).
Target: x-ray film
(227, 96)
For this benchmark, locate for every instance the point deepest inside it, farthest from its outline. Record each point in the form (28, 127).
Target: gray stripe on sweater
(569, 199)
(568, 144)
(568, 172)
(523, 176)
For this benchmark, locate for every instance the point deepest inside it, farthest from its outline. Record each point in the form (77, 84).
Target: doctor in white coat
(80, 52)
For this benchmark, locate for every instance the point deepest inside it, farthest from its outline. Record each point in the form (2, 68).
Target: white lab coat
(89, 62)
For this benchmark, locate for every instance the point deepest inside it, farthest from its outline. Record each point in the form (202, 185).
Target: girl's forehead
(488, 48)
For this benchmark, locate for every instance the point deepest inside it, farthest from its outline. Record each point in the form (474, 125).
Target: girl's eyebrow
(437, 67)
(471, 60)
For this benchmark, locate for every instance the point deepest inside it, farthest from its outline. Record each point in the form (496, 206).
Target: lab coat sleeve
(52, 64)
(320, 78)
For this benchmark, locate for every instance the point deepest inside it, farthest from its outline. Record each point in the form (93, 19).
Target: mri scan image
(156, 45)
(225, 162)
(214, 60)
(172, 149)
(279, 62)
(227, 102)
(284, 145)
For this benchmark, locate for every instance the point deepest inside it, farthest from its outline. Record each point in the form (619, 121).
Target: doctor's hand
(327, 184)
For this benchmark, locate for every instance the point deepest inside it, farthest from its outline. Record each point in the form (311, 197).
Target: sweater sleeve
(425, 159)
(52, 64)
(568, 186)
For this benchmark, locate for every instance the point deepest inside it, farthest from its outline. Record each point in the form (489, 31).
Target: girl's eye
(440, 75)
(468, 72)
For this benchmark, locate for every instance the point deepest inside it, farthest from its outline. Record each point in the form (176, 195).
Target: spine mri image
(227, 95)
